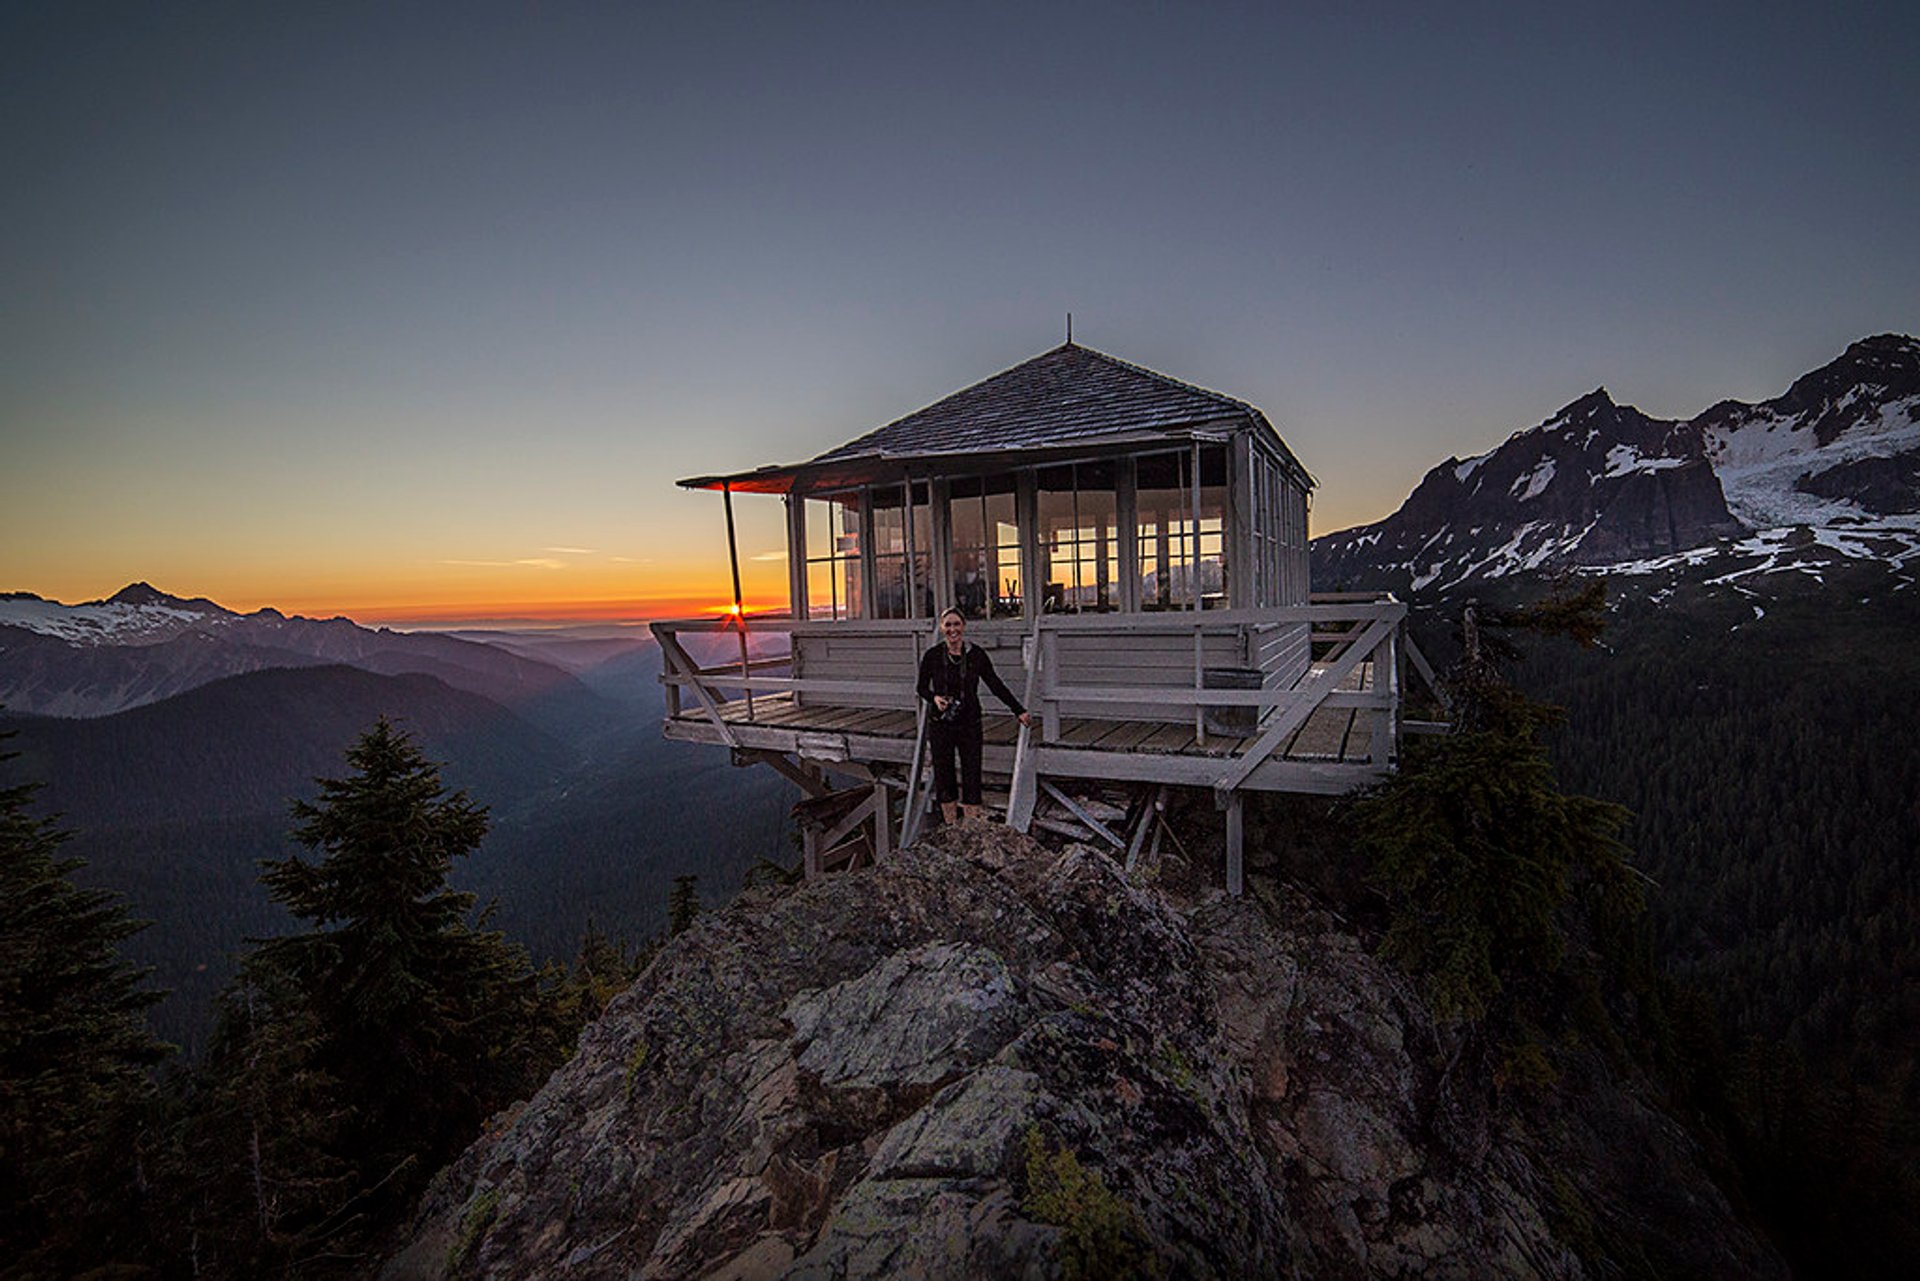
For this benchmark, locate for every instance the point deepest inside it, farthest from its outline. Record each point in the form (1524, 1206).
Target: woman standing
(950, 676)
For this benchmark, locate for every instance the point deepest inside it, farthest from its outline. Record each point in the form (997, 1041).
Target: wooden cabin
(1130, 548)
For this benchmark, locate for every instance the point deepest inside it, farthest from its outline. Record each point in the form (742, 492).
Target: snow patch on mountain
(1466, 466)
(1533, 483)
(1622, 459)
(104, 622)
(1764, 461)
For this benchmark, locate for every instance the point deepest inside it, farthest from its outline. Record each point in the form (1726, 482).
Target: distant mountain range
(1824, 477)
(141, 645)
(171, 735)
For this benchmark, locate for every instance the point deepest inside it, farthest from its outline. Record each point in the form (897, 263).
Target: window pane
(1005, 553)
(833, 557)
(820, 598)
(819, 529)
(986, 547)
(1165, 512)
(890, 587)
(1213, 527)
(1171, 546)
(1079, 537)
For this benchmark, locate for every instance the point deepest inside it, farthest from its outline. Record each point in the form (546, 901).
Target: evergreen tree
(357, 1056)
(683, 904)
(74, 1055)
(1478, 850)
(260, 1166)
(602, 970)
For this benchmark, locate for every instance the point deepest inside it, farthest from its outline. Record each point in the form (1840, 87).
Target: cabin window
(833, 557)
(1269, 516)
(1182, 563)
(985, 534)
(1079, 538)
(902, 586)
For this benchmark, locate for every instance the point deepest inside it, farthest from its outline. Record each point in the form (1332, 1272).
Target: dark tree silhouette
(74, 1054)
(355, 1057)
(1475, 845)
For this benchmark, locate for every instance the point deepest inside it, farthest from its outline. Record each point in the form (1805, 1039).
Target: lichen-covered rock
(983, 1059)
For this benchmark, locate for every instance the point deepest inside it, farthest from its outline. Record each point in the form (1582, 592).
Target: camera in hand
(951, 713)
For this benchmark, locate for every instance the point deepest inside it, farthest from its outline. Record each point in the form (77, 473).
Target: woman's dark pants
(949, 739)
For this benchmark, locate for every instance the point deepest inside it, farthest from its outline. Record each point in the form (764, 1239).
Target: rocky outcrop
(984, 1059)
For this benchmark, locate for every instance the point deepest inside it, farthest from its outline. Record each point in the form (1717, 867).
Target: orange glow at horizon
(557, 612)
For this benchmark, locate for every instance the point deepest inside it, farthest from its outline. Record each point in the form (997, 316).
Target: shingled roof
(1069, 396)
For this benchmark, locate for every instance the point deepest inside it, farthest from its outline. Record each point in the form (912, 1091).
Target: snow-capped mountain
(134, 615)
(1827, 473)
(141, 645)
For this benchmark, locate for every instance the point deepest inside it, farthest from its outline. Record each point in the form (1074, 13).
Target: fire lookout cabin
(1131, 551)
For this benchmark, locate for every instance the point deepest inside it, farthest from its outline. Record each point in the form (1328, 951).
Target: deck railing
(739, 661)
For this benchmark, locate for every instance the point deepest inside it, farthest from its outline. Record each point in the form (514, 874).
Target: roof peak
(1065, 394)
(1066, 398)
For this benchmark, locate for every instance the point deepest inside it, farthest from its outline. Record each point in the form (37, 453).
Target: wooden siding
(885, 663)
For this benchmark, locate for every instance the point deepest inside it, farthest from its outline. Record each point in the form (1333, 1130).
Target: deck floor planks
(1080, 732)
(871, 721)
(1168, 738)
(1331, 734)
(1129, 737)
(999, 729)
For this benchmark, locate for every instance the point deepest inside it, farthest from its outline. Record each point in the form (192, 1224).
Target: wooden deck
(1120, 702)
(1333, 752)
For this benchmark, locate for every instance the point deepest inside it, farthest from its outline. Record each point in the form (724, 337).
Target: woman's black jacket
(959, 678)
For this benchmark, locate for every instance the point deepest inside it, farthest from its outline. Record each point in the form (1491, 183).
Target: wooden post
(940, 555)
(1026, 515)
(1236, 845)
(912, 603)
(1021, 792)
(733, 547)
(1151, 801)
(1193, 535)
(1237, 544)
(796, 555)
(1127, 517)
(1199, 681)
(1386, 727)
(869, 557)
(1049, 705)
(882, 821)
(739, 614)
(916, 789)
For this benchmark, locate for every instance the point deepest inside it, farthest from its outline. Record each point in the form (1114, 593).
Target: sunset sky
(416, 312)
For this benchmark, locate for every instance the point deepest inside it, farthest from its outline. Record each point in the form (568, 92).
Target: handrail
(727, 677)
(1021, 794)
(1364, 606)
(910, 819)
(1345, 633)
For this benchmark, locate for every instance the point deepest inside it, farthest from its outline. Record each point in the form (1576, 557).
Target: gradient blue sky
(397, 309)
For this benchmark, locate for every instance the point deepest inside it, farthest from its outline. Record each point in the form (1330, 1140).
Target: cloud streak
(527, 562)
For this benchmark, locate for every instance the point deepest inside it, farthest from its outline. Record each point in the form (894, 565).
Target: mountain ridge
(141, 645)
(1602, 487)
